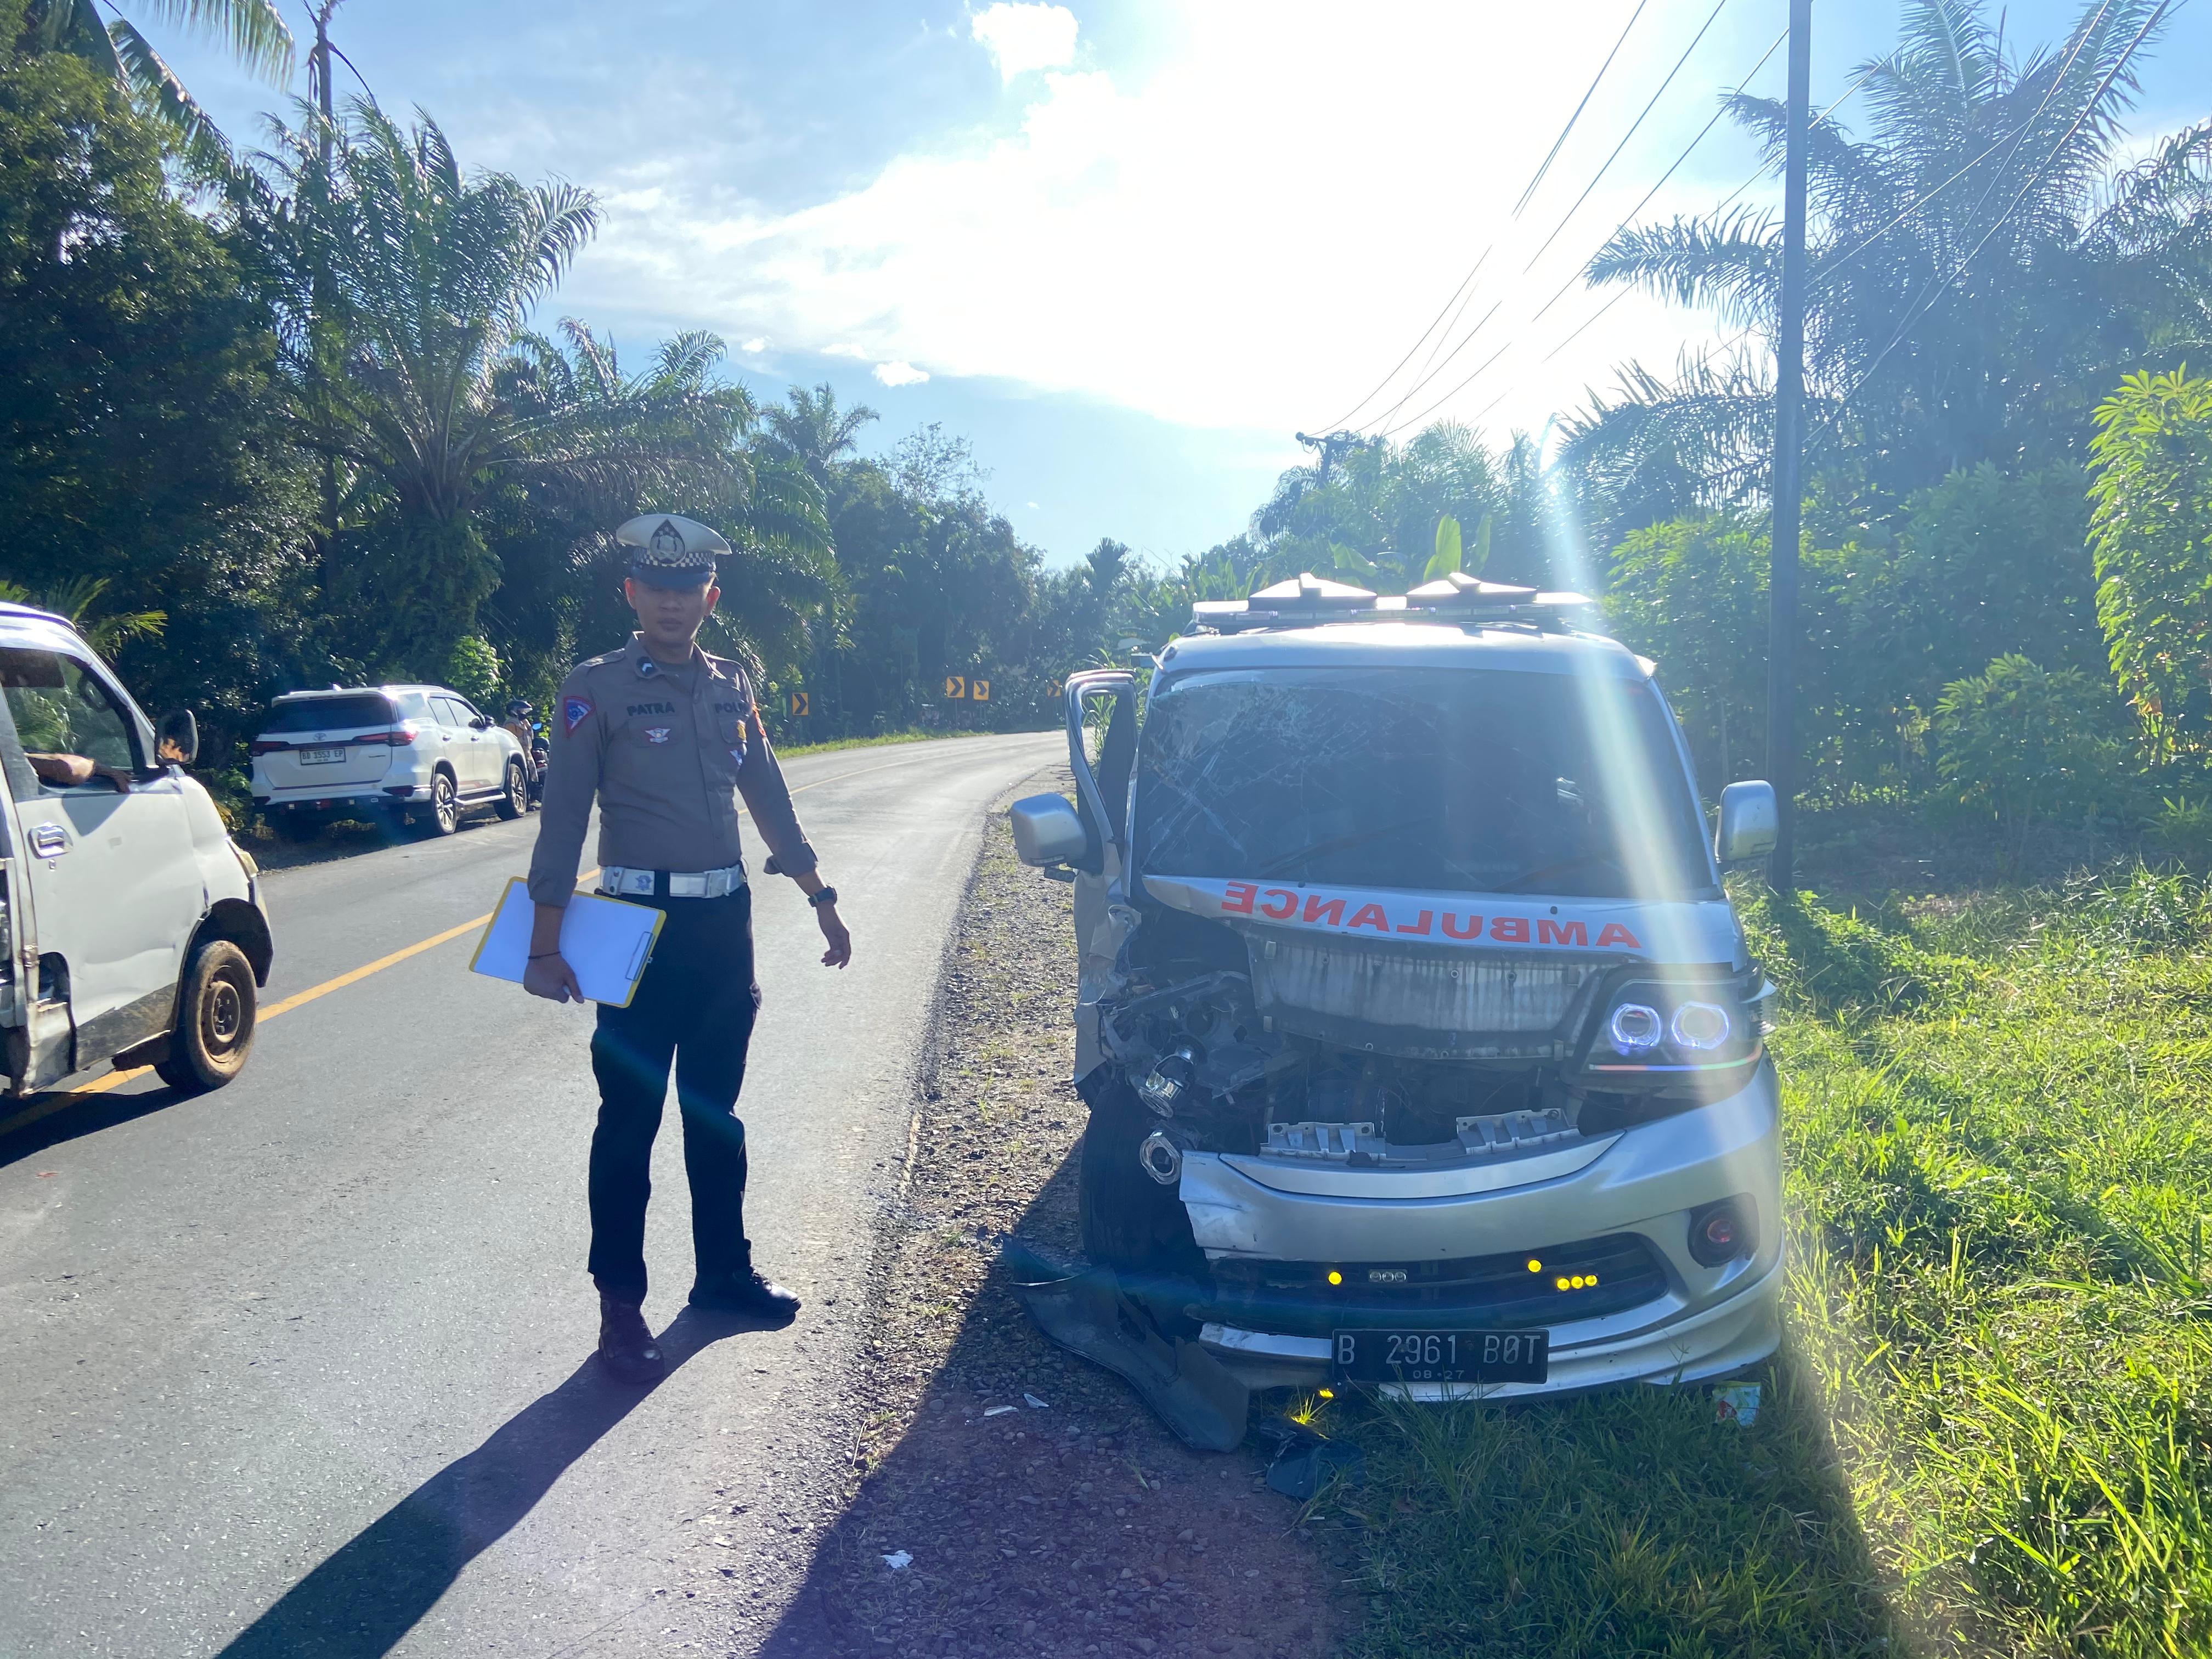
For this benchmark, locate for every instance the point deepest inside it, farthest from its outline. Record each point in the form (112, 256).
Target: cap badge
(667, 540)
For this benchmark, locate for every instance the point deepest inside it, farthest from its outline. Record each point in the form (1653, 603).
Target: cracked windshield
(1418, 778)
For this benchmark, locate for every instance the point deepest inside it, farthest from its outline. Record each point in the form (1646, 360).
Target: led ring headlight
(1636, 1027)
(1698, 1025)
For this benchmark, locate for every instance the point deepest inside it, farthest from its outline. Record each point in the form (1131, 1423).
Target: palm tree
(74, 600)
(1376, 519)
(405, 289)
(811, 430)
(1978, 269)
(253, 29)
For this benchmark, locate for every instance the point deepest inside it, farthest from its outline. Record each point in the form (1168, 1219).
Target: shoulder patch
(575, 711)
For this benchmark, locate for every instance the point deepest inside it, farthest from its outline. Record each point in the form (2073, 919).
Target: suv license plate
(1440, 1356)
(321, 757)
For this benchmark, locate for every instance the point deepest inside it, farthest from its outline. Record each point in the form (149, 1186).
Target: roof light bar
(1308, 600)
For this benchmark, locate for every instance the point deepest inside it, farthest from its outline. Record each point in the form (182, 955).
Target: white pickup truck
(131, 927)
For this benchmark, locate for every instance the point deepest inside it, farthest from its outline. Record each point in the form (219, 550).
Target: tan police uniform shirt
(667, 751)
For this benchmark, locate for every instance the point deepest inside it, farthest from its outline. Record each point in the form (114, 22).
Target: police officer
(667, 738)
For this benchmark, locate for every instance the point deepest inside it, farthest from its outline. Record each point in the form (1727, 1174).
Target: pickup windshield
(1440, 779)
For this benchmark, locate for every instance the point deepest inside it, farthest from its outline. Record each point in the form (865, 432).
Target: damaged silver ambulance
(1420, 1043)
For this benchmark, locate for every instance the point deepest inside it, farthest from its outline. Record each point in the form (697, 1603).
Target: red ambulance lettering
(1420, 927)
(1614, 933)
(1329, 914)
(1237, 897)
(1289, 904)
(1559, 933)
(1452, 930)
(1509, 930)
(1371, 915)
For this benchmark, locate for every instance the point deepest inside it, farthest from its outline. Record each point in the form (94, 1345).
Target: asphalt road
(297, 1368)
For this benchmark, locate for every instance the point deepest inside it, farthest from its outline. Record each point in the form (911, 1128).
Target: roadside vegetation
(1989, 1430)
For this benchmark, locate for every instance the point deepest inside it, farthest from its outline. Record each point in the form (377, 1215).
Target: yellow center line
(300, 999)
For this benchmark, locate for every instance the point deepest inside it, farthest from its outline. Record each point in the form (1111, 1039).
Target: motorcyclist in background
(523, 730)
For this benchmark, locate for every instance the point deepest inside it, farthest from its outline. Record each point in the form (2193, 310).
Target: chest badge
(657, 733)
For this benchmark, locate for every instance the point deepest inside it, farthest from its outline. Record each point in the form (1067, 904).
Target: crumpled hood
(1700, 931)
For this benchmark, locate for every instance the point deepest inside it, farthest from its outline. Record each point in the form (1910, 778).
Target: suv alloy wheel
(516, 800)
(445, 806)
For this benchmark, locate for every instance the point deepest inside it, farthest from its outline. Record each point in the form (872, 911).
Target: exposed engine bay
(1238, 1041)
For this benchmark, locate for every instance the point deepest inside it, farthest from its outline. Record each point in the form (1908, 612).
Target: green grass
(1989, 1430)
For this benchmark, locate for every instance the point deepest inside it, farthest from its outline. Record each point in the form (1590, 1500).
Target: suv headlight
(1649, 1026)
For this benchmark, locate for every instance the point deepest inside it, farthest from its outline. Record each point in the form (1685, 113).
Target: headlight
(1653, 1026)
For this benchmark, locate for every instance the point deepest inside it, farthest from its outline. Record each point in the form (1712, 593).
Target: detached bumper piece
(1192, 1392)
(1537, 1289)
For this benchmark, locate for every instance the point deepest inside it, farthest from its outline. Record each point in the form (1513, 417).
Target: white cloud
(896, 373)
(1201, 244)
(1023, 38)
(755, 344)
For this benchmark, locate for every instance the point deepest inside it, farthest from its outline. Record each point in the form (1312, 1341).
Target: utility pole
(318, 72)
(1786, 486)
(1331, 445)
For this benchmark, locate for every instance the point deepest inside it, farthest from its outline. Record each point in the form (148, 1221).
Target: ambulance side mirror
(177, 740)
(1750, 823)
(1047, 831)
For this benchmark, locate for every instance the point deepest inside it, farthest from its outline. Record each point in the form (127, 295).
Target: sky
(1127, 249)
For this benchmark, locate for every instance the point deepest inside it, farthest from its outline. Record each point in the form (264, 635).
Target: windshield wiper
(1341, 843)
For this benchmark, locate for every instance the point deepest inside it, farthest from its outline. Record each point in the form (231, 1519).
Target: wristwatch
(827, 896)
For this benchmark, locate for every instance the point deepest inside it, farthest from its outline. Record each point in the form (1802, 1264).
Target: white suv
(415, 753)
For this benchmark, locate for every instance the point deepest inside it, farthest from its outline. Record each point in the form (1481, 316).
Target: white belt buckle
(686, 886)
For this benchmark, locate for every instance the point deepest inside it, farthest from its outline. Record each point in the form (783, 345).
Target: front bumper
(1697, 1322)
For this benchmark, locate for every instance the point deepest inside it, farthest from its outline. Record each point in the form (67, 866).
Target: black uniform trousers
(696, 1005)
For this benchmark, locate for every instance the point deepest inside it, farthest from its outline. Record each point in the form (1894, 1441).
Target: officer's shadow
(364, 1598)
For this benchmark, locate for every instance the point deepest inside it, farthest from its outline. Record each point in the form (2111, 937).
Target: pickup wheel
(1129, 1221)
(516, 801)
(216, 1009)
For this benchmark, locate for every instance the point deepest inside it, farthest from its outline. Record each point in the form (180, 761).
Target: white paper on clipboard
(607, 941)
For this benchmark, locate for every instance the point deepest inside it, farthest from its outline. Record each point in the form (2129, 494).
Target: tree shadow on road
(362, 1601)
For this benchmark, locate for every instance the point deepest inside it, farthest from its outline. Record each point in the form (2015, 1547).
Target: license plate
(1441, 1356)
(321, 757)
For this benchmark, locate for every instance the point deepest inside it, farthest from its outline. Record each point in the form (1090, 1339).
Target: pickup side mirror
(1047, 831)
(177, 740)
(1750, 822)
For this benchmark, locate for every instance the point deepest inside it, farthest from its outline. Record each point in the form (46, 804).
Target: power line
(1413, 391)
(1640, 207)
(1448, 396)
(1431, 329)
(2015, 138)
(1626, 136)
(1920, 308)
(1528, 191)
(1629, 217)
(1545, 166)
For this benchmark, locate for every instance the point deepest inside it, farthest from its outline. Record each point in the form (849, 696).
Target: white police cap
(669, 551)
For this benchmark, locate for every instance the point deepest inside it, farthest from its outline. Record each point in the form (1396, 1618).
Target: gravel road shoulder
(1026, 1501)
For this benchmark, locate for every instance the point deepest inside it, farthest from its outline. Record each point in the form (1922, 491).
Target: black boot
(742, 1291)
(626, 1346)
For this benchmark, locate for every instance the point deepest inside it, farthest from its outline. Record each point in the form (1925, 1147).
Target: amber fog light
(1722, 1232)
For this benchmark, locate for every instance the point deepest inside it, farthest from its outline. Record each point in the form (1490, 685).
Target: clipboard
(607, 941)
